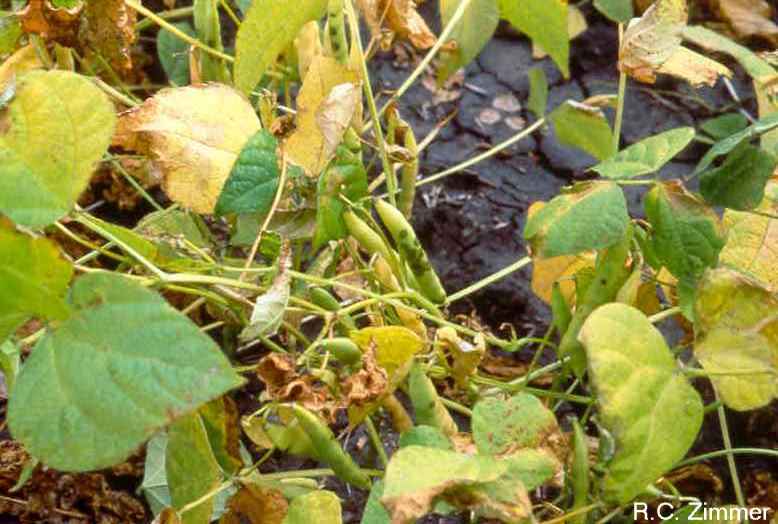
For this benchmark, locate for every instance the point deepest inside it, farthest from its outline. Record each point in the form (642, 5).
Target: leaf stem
(489, 280)
(727, 453)
(741, 500)
(173, 14)
(662, 315)
(620, 104)
(375, 438)
(177, 32)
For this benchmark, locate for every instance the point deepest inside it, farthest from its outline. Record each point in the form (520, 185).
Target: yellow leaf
(546, 271)
(693, 67)
(752, 240)
(465, 355)
(335, 114)
(394, 345)
(193, 135)
(308, 146)
(23, 60)
(308, 46)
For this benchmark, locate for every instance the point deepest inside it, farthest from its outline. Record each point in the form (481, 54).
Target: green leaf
(501, 426)
(686, 236)
(739, 182)
(348, 180)
(619, 11)
(51, 109)
(375, 512)
(173, 54)
(723, 126)
(471, 33)
(317, 506)
(268, 28)
(583, 127)
(538, 92)
(191, 468)
(532, 467)
(33, 280)
(428, 436)
(592, 215)
(737, 338)
(253, 181)
(150, 364)
(545, 21)
(417, 477)
(653, 413)
(723, 147)
(154, 485)
(647, 156)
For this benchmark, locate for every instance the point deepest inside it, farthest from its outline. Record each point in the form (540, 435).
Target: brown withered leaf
(748, 18)
(400, 17)
(366, 385)
(109, 31)
(255, 505)
(56, 24)
(193, 134)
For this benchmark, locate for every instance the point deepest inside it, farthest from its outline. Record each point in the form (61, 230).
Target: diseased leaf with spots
(153, 366)
(312, 145)
(647, 156)
(51, 108)
(739, 182)
(522, 421)
(267, 29)
(646, 403)
(584, 127)
(191, 468)
(193, 135)
(253, 181)
(752, 239)
(33, 278)
(317, 506)
(545, 21)
(471, 33)
(591, 215)
(737, 338)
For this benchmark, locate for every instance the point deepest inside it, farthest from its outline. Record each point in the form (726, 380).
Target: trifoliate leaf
(152, 366)
(51, 109)
(648, 406)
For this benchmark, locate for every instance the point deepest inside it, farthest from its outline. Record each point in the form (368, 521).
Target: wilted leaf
(545, 21)
(736, 334)
(51, 108)
(739, 182)
(253, 181)
(645, 402)
(194, 135)
(465, 355)
(647, 156)
(394, 346)
(318, 506)
(173, 54)
(502, 427)
(752, 240)
(268, 310)
(328, 95)
(712, 41)
(256, 504)
(33, 279)
(589, 216)
(160, 366)
(284, 384)
(749, 18)
(52, 23)
(686, 235)
(267, 29)
(418, 476)
(584, 127)
(547, 271)
(191, 468)
(109, 32)
(620, 11)
(401, 18)
(693, 67)
(470, 34)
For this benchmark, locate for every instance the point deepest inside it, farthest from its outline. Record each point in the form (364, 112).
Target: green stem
(727, 453)
(491, 279)
(173, 14)
(375, 438)
(741, 500)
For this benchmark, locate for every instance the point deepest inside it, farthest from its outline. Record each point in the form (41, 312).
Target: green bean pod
(324, 299)
(368, 239)
(580, 472)
(408, 175)
(328, 449)
(410, 248)
(337, 30)
(430, 411)
(344, 350)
